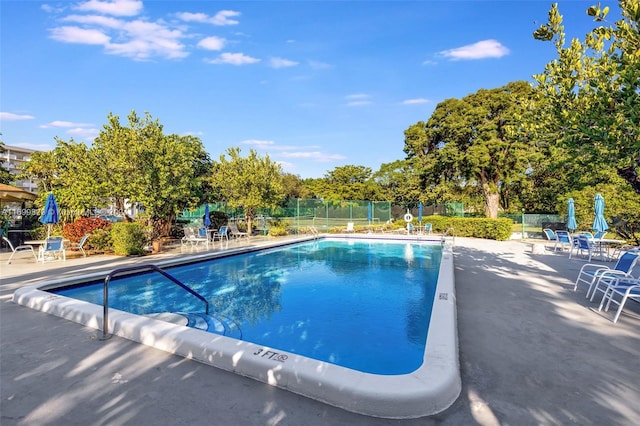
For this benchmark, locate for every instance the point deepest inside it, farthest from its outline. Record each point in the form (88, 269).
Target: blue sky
(313, 84)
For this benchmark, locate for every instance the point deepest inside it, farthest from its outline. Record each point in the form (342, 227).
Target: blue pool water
(364, 305)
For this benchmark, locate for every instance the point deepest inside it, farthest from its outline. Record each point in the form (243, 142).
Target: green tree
(473, 142)
(588, 99)
(399, 184)
(139, 164)
(166, 174)
(294, 187)
(347, 183)
(251, 182)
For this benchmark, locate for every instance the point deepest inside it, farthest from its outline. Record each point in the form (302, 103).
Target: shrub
(493, 229)
(100, 239)
(87, 225)
(129, 238)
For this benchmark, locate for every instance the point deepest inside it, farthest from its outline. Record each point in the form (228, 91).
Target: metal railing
(138, 268)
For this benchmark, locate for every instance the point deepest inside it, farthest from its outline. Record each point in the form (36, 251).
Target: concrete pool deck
(531, 352)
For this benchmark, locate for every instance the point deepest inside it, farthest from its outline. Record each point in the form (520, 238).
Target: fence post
(523, 236)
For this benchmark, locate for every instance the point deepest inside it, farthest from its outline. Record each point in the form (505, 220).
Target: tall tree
(251, 182)
(347, 183)
(399, 184)
(588, 99)
(137, 163)
(475, 140)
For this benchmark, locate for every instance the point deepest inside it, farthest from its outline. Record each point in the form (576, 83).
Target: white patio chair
(627, 289)
(53, 249)
(591, 273)
(19, 249)
(235, 232)
(79, 246)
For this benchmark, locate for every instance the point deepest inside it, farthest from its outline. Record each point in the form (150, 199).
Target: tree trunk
(491, 202)
(630, 174)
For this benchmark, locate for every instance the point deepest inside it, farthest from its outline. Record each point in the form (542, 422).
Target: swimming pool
(423, 380)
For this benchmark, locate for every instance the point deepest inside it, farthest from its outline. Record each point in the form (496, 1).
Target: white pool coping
(426, 391)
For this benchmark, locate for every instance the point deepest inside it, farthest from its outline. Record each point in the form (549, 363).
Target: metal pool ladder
(138, 268)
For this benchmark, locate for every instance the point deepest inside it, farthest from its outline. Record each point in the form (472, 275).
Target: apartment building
(12, 159)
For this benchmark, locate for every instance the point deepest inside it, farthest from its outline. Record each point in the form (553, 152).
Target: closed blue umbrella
(572, 225)
(369, 213)
(50, 213)
(420, 213)
(207, 221)
(599, 223)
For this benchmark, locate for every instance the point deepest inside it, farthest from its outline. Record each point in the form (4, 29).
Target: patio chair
(627, 289)
(79, 246)
(23, 248)
(428, 228)
(235, 232)
(350, 228)
(53, 249)
(583, 245)
(591, 273)
(551, 236)
(221, 234)
(563, 238)
(193, 238)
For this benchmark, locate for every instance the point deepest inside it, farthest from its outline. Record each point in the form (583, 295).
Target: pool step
(212, 324)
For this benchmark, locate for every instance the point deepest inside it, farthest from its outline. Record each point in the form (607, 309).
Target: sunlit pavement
(532, 351)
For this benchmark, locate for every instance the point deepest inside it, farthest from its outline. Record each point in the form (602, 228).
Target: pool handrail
(138, 268)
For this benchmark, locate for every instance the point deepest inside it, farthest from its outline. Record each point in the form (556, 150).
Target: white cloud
(63, 124)
(79, 35)
(313, 155)
(114, 7)
(233, 59)
(142, 40)
(415, 101)
(212, 43)
(281, 63)
(358, 99)
(317, 65)
(9, 116)
(101, 21)
(259, 143)
(221, 18)
(480, 50)
(84, 132)
(358, 96)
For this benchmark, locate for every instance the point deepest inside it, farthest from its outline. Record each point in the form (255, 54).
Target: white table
(606, 242)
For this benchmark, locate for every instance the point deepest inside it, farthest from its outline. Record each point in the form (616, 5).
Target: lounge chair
(627, 289)
(563, 238)
(23, 248)
(350, 228)
(193, 238)
(592, 273)
(53, 249)
(428, 228)
(235, 232)
(79, 246)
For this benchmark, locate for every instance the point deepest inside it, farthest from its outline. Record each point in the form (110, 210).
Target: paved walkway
(532, 352)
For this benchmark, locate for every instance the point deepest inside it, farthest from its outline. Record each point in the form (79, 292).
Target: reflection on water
(364, 305)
